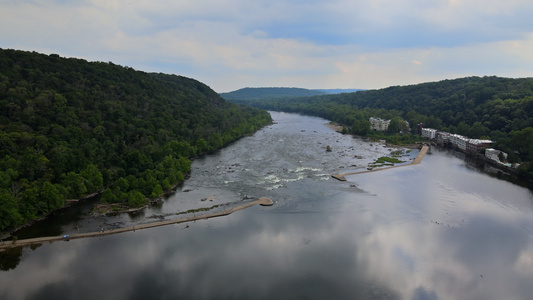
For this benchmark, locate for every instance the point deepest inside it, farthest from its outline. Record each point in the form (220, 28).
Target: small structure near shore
(265, 201)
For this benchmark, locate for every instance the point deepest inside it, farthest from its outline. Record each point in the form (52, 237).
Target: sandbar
(416, 161)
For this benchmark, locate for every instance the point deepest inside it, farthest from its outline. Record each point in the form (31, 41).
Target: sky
(315, 44)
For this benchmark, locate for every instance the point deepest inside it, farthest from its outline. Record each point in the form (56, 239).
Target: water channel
(442, 229)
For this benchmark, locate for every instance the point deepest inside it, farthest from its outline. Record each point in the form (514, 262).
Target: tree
(403, 126)
(123, 184)
(394, 125)
(526, 169)
(463, 128)
(74, 184)
(361, 127)
(478, 130)
(135, 199)
(215, 141)
(165, 184)
(50, 195)
(158, 191)
(93, 178)
(108, 196)
(9, 215)
(522, 140)
(201, 146)
(6, 177)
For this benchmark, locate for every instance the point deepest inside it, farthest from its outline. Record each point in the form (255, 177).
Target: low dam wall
(40, 240)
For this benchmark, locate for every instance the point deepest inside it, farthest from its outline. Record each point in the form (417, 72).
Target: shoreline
(50, 239)
(334, 126)
(69, 202)
(9, 232)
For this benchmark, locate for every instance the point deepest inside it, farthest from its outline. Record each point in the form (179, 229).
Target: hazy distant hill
(340, 91)
(269, 93)
(69, 128)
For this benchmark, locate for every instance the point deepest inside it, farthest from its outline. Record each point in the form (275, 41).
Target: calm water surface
(438, 230)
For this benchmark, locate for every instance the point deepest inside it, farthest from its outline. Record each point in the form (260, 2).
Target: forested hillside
(268, 93)
(69, 128)
(497, 108)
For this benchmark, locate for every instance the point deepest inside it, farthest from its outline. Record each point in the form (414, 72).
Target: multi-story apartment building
(462, 142)
(429, 133)
(378, 124)
(475, 145)
(495, 154)
(458, 140)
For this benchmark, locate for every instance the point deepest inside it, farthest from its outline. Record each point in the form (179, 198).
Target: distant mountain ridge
(340, 91)
(264, 93)
(250, 93)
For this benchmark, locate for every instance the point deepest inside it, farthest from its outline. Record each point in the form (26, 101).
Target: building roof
(479, 142)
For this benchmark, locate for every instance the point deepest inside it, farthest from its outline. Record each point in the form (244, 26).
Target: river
(442, 229)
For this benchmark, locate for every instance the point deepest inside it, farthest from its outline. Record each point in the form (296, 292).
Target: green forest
(500, 109)
(71, 128)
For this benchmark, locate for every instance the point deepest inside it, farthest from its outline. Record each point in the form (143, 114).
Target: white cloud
(315, 44)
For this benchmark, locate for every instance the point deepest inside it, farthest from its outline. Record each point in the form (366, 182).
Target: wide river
(442, 229)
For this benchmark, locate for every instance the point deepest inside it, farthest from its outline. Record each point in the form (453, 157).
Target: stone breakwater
(415, 161)
(50, 239)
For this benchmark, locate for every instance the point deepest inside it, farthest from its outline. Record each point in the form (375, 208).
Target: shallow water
(438, 230)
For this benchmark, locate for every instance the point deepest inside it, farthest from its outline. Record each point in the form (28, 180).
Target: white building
(475, 145)
(494, 154)
(459, 141)
(443, 137)
(429, 133)
(378, 124)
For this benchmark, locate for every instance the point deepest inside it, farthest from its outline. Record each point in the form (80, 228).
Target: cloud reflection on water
(438, 230)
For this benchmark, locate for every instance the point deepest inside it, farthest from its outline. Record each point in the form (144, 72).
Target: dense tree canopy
(479, 107)
(69, 128)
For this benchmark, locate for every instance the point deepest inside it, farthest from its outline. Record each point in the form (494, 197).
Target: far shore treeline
(70, 128)
(500, 109)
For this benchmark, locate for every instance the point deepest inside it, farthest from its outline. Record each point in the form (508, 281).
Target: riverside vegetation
(71, 128)
(500, 109)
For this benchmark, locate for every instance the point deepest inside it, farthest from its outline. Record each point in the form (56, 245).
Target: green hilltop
(277, 93)
(264, 93)
(71, 128)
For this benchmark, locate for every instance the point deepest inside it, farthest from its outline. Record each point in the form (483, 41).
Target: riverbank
(68, 203)
(334, 126)
(50, 239)
(99, 209)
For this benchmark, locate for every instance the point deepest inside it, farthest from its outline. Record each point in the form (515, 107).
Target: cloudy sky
(231, 44)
